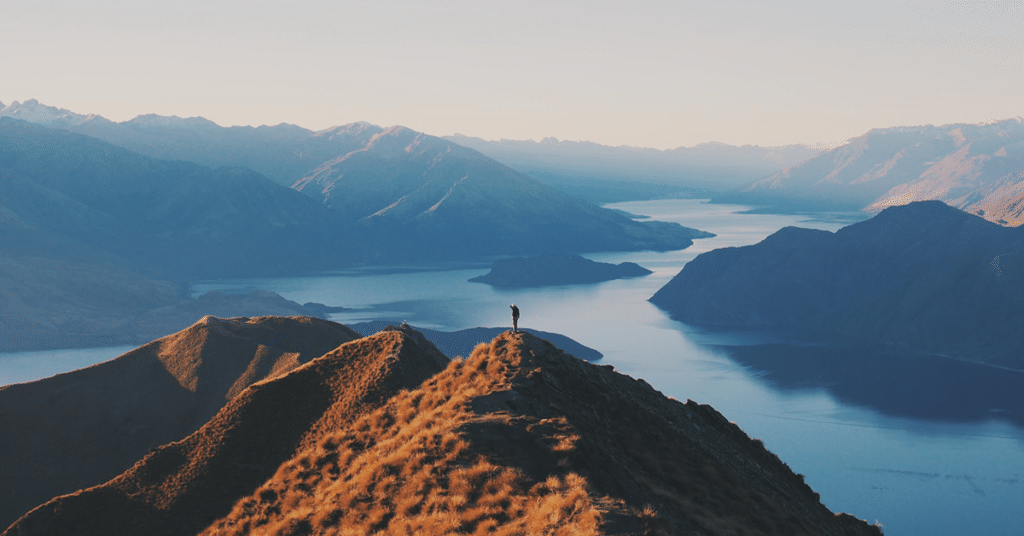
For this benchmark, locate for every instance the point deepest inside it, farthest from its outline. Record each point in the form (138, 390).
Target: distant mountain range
(601, 173)
(435, 199)
(385, 434)
(283, 153)
(73, 197)
(923, 276)
(395, 194)
(286, 153)
(976, 168)
(95, 237)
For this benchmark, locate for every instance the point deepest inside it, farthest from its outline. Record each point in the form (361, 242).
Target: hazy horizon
(816, 145)
(656, 74)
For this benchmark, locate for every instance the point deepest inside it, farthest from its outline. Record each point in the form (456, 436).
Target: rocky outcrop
(924, 276)
(383, 434)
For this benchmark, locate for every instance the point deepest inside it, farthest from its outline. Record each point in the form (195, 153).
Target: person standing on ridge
(515, 318)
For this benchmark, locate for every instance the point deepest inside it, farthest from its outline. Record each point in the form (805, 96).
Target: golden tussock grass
(406, 468)
(518, 438)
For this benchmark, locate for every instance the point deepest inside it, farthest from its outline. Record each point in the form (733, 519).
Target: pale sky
(643, 73)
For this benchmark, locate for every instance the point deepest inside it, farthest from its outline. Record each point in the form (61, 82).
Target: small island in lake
(551, 270)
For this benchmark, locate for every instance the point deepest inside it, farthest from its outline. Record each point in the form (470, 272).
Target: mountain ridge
(430, 198)
(520, 437)
(978, 168)
(82, 428)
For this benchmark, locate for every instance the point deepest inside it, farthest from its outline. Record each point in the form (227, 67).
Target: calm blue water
(861, 435)
(21, 367)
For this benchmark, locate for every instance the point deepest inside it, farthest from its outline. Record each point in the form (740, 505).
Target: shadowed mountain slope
(976, 168)
(72, 197)
(924, 276)
(397, 196)
(440, 200)
(83, 428)
(519, 438)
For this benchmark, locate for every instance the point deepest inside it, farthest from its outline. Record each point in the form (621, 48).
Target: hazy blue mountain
(977, 168)
(408, 196)
(286, 153)
(73, 196)
(601, 173)
(283, 153)
(435, 199)
(94, 237)
(96, 240)
(557, 269)
(924, 276)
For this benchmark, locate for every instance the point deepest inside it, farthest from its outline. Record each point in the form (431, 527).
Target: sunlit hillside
(384, 436)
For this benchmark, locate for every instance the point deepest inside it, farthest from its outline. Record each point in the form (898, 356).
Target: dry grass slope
(183, 486)
(379, 437)
(82, 428)
(520, 438)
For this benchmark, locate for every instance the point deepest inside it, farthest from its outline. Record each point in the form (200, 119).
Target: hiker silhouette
(515, 318)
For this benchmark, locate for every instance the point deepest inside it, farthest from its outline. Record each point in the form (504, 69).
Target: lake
(924, 445)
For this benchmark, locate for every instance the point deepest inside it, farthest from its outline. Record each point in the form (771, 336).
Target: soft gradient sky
(647, 73)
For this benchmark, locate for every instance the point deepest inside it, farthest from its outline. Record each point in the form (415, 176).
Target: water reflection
(890, 381)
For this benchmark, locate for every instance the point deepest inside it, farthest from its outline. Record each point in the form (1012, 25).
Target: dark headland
(923, 276)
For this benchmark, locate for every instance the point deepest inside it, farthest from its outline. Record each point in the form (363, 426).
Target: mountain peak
(34, 112)
(155, 120)
(352, 129)
(116, 411)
